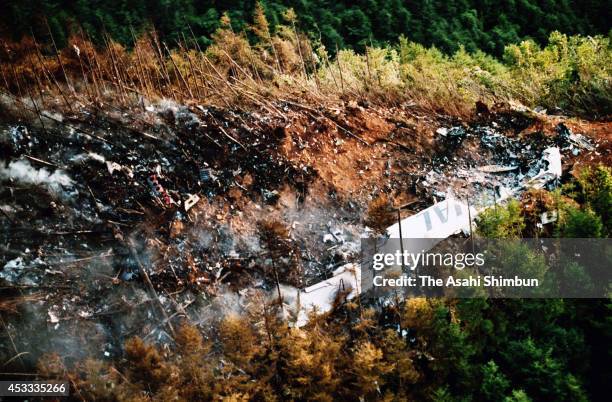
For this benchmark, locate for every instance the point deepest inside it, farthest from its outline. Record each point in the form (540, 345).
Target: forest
(474, 24)
(291, 128)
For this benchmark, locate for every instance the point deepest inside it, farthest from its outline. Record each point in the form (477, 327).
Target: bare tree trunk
(280, 296)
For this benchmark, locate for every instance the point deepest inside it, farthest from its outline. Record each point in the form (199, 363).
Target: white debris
(53, 318)
(8, 209)
(439, 221)
(165, 105)
(442, 131)
(96, 157)
(16, 271)
(548, 217)
(581, 141)
(497, 168)
(553, 157)
(53, 115)
(114, 167)
(550, 172)
(503, 193)
(328, 238)
(191, 201)
(321, 296)
(13, 264)
(539, 110)
(11, 270)
(88, 156)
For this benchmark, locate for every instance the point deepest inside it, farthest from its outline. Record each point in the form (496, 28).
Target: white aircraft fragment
(552, 170)
(497, 168)
(441, 220)
(320, 297)
(435, 223)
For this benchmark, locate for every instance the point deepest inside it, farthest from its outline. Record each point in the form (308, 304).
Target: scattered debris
(550, 169)
(430, 226)
(567, 140)
(151, 209)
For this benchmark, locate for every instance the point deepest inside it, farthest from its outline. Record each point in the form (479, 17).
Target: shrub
(573, 73)
(581, 223)
(501, 221)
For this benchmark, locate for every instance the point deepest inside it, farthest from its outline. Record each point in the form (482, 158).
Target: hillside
(164, 197)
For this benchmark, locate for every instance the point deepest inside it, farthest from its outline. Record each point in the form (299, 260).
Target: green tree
(581, 224)
(494, 383)
(595, 189)
(501, 222)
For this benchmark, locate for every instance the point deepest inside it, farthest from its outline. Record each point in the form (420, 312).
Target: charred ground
(96, 230)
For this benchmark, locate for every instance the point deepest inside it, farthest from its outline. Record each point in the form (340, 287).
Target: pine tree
(240, 343)
(369, 368)
(396, 352)
(260, 26)
(494, 383)
(380, 214)
(308, 363)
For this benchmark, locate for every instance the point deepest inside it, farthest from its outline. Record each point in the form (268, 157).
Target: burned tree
(380, 214)
(282, 253)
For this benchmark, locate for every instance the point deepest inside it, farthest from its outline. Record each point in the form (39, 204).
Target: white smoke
(22, 172)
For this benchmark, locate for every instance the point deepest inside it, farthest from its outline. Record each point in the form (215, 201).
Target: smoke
(21, 171)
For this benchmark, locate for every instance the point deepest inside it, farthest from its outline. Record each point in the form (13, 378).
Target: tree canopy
(473, 24)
